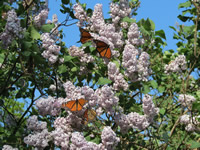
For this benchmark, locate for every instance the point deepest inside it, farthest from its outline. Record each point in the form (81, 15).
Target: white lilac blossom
(52, 50)
(118, 78)
(79, 142)
(106, 98)
(191, 122)
(40, 19)
(149, 108)
(34, 124)
(80, 14)
(62, 133)
(133, 35)
(109, 138)
(122, 121)
(8, 147)
(119, 11)
(49, 106)
(38, 139)
(84, 57)
(12, 29)
(136, 64)
(97, 19)
(177, 65)
(186, 100)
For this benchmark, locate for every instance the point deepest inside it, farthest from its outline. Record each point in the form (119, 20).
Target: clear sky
(163, 12)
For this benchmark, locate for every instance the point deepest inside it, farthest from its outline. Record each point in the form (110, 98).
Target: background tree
(140, 98)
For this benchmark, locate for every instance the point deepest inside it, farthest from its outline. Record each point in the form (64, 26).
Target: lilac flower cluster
(177, 65)
(149, 108)
(80, 14)
(34, 124)
(52, 50)
(133, 35)
(186, 100)
(40, 136)
(8, 147)
(49, 106)
(118, 78)
(106, 98)
(84, 57)
(12, 29)
(191, 122)
(136, 66)
(62, 133)
(109, 138)
(119, 11)
(79, 142)
(41, 18)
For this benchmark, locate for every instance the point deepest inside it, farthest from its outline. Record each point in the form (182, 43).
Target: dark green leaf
(103, 81)
(2, 56)
(162, 111)
(65, 1)
(67, 58)
(161, 33)
(47, 27)
(161, 89)
(154, 84)
(194, 144)
(62, 69)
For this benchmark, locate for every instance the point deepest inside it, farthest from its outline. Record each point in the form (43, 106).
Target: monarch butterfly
(75, 105)
(103, 49)
(85, 36)
(89, 115)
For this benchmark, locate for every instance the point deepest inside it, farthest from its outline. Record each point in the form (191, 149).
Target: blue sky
(163, 12)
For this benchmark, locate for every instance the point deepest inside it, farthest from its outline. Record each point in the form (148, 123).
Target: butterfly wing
(81, 103)
(89, 115)
(71, 105)
(85, 36)
(103, 49)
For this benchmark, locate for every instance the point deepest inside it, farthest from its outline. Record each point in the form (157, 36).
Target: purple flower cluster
(49, 106)
(186, 100)
(41, 18)
(177, 65)
(136, 66)
(40, 136)
(79, 142)
(106, 98)
(80, 14)
(8, 147)
(149, 108)
(62, 133)
(12, 29)
(84, 57)
(52, 50)
(109, 138)
(119, 11)
(34, 124)
(191, 122)
(118, 78)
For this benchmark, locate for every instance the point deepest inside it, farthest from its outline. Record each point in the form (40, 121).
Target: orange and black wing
(89, 115)
(71, 105)
(85, 36)
(80, 104)
(103, 49)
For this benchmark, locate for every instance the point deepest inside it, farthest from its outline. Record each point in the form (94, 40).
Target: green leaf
(74, 69)
(67, 58)
(129, 20)
(188, 29)
(103, 81)
(117, 63)
(152, 24)
(62, 69)
(165, 136)
(26, 53)
(161, 89)
(196, 106)
(66, 2)
(2, 56)
(146, 89)
(194, 144)
(47, 27)
(186, 4)
(162, 111)
(154, 84)
(34, 33)
(161, 33)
